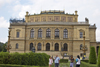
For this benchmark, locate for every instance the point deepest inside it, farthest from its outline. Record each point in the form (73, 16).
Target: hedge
(92, 56)
(85, 61)
(85, 64)
(63, 60)
(99, 58)
(37, 59)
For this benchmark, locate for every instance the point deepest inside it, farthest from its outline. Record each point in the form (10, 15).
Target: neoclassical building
(52, 32)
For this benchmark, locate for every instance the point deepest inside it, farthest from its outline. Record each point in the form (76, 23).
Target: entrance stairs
(51, 53)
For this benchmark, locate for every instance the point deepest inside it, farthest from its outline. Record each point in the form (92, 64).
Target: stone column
(43, 33)
(59, 46)
(35, 33)
(52, 33)
(36, 47)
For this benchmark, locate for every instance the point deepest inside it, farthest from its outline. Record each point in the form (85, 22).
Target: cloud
(3, 23)
(3, 2)
(98, 34)
(3, 39)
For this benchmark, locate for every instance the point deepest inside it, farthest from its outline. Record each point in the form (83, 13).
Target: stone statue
(86, 20)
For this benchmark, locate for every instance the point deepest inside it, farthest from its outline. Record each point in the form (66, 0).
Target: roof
(53, 12)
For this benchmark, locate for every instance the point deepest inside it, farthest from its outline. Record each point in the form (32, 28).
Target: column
(52, 33)
(43, 33)
(35, 33)
(59, 46)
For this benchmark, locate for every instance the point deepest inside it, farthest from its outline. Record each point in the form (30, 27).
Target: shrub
(98, 58)
(92, 56)
(37, 59)
(63, 60)
(85, 61)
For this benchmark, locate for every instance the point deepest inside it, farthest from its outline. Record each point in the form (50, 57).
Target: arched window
(32, 33)
(17, 46)
(39, 46)
(65, 47)
(80, 46)
(57, 33)
(81, 34)
(65, 33)
(56, 47)
(48, 33)
(48, 47)
(31, 46)
(17, 34)
(40, 33)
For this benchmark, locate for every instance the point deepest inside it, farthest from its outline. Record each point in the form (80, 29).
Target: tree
(92, 56)
(99, 58)
(3, 48)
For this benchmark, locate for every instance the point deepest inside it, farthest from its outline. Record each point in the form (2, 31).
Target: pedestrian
(50, 61)
(72, 61)
(57, 61)
(78, 61)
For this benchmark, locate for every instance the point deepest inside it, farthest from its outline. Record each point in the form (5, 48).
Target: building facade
(52, 32)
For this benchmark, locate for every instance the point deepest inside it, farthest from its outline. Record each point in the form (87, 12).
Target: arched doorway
(56, 47)
(48, 47)
(31, 45)
(65, 47)
(97, 49)
(39, 47)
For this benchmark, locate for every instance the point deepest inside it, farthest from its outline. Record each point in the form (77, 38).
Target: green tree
(3, 48)
(92, 56)
(0, 48)
(99, 57)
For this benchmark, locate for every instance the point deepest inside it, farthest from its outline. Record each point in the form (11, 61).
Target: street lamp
(8, 46)
(33, 49)
(84, 48)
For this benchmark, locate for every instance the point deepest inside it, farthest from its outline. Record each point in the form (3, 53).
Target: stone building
(52, 32)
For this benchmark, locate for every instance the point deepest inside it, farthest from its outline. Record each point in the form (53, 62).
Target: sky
(17, 9)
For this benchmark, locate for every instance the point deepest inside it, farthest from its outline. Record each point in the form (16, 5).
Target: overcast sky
(17, 9)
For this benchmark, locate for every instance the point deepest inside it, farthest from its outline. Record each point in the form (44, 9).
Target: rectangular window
(17, 34)
(81, 34)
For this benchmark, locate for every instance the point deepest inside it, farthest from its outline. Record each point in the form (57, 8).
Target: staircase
(51, 53)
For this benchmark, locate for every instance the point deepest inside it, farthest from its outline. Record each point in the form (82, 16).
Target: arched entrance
(48, 47)
(65, 47)
(56, 47)
(39, 47)
(31, 45)
(97, 49)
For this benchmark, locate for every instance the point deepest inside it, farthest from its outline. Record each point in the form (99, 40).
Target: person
(50, 61)
(57, 61)
(72, 61)
(78, 61)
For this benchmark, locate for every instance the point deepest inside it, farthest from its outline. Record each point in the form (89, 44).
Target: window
(17, 46)
(56, 33)
(48, 32)
(70, 19)
(39, 46)
(65, 33)
(32, 33)
(31, 46)
(40, 33)
(81, 34)
(65, 47)
(17, 34)
(81, 47)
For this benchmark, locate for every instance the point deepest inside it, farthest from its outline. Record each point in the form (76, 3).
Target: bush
(84, 64)
(85, 61)
(37, 59)
(92, 56)
(63, 60)
(98, 58)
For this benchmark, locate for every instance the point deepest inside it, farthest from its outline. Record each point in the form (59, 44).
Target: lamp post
(8, 46)
(84, 48)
